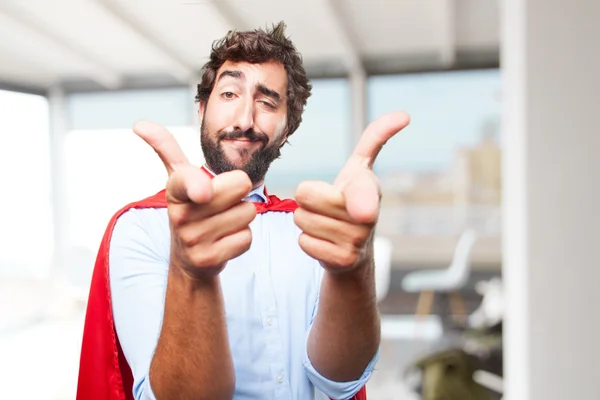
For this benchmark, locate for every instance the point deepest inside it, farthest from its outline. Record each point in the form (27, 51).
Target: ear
(284, 139)
(201, 109)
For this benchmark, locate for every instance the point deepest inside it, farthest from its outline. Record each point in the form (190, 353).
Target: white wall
(551, 72)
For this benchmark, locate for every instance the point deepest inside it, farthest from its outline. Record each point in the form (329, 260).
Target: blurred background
(462, 237)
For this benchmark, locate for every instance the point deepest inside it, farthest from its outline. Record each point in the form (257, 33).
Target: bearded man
(215, 289)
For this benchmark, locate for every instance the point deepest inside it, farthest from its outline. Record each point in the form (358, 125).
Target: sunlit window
(107, 169)
(25, 203)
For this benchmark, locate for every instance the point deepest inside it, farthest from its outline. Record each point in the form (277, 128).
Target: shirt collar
(256, 195)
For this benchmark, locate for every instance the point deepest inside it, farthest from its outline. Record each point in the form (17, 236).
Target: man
(213, 289)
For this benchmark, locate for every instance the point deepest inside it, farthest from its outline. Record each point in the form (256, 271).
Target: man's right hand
(208, 219)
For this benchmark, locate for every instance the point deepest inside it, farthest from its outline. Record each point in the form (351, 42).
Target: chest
(270, 294)
(274, 278)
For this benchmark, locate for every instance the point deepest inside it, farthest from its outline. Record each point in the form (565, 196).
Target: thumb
(377, 134)
(164, 144)
(362, 196)
(370, 144)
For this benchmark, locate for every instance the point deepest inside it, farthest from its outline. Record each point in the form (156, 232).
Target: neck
(258, 184)
(254, 185)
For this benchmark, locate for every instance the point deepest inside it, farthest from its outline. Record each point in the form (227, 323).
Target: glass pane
(107, 169)
(25, 203)
(443, 173)
(319, 148)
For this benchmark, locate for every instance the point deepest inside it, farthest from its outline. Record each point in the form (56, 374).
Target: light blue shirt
(270, 293)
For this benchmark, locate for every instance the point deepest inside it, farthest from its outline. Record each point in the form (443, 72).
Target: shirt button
(279, 378)
(269, 321)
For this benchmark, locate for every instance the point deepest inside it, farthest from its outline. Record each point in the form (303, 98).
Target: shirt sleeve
(138, 276)
(334, 390)
(338, 390)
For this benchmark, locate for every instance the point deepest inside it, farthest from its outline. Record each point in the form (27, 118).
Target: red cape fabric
(103, 371)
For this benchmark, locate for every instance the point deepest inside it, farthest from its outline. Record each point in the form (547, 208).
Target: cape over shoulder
(103, 370)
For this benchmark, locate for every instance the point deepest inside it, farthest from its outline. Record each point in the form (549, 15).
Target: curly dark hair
(261, 46)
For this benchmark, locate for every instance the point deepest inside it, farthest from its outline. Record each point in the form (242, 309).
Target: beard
(256, 166)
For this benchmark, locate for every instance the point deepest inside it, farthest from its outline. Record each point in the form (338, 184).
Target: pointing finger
(189, 184)
(362, 197)
(321, 198)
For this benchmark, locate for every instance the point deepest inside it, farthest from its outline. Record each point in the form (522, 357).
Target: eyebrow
(260, 87)
(233, 74)
(268, 92)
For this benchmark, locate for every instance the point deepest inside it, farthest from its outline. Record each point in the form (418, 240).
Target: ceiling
(114, 44)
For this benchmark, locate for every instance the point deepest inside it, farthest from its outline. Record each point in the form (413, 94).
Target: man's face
(244, 121)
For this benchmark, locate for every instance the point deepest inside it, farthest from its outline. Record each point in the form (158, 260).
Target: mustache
(250, 134)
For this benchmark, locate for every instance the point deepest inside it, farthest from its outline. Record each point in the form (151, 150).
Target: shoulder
(146, 220)
(142, 227)
(139, 247)
(143, 212)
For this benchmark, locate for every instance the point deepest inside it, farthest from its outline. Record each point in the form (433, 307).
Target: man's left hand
(338, 220)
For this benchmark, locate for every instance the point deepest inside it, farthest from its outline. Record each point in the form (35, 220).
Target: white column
(58, 130)
(358, 94)
(448, 33)
(551, 138)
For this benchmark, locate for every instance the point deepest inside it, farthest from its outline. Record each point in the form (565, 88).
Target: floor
(44, 357)
(40, 356)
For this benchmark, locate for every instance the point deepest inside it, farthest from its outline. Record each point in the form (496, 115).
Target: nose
(244, 116)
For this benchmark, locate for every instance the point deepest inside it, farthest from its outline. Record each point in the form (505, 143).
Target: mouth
(241, 142)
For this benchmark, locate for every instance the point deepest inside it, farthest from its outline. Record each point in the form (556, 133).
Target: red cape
(103, 371)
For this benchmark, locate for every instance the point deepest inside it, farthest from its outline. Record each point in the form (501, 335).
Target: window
(319, 148)
(25, 203)
(443, 172)
(448, 110)
(107, 169)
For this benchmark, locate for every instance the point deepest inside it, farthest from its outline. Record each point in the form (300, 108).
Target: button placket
(270, 318)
